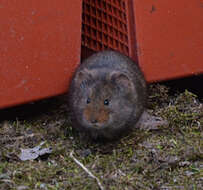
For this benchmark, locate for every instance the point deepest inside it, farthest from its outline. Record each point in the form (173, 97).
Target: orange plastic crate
(40, 41)
(106, 24)
(165, 37)
(40, 44)
(169, 35)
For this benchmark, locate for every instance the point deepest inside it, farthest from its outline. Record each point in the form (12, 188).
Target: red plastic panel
(39, 48)
(106, 25)
(169, 37)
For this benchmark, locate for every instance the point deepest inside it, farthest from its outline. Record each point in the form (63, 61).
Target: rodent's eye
(106, 102)
(88, 100)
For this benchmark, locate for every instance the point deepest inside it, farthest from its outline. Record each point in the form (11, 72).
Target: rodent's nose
(94, 121)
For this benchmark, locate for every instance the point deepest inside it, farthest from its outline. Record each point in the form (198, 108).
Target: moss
(169, 158)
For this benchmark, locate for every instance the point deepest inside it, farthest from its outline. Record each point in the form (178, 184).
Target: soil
(167, 157)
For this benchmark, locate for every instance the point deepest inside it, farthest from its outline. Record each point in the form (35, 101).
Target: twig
(86, 170)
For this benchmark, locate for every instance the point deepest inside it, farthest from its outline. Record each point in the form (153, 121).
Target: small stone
(85, 152)
(184, 163)
(22, 187)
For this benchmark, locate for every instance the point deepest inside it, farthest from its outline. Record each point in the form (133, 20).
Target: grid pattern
(104, 25)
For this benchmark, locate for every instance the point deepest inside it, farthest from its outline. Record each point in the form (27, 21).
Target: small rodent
(107, 95)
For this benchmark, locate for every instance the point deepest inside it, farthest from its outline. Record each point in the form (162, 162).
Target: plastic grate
(104, 25)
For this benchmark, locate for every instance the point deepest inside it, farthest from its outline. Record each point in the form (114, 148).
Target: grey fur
(107, 75)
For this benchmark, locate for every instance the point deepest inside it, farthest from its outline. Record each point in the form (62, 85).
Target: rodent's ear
(122, 80)
(82, 76)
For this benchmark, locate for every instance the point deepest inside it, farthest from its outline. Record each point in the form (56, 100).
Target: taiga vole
(107, 95)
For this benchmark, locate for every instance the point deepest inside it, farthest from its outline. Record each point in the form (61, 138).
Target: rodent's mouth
(98, 126)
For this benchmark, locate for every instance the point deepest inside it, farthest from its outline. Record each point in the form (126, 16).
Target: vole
(107, 95)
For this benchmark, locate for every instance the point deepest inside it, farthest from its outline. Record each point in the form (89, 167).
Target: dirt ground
(168, 157)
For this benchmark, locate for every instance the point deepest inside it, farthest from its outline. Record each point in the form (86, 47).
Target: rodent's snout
(96, 117)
